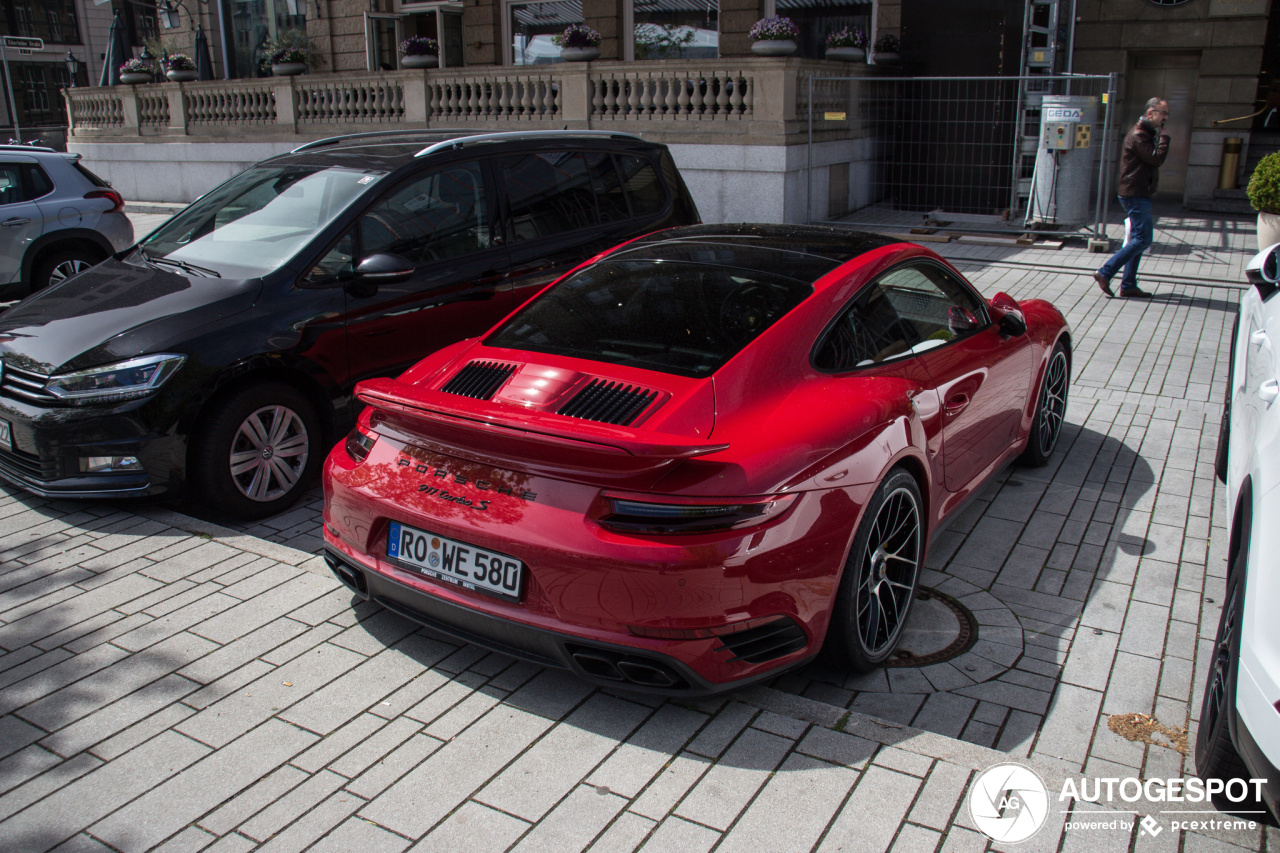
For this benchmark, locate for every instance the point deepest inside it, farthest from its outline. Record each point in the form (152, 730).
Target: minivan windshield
(257, 221)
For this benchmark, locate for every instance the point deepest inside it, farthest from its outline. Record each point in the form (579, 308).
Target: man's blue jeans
(1138, 233)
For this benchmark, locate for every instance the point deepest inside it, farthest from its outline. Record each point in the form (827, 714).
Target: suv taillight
(117, 200)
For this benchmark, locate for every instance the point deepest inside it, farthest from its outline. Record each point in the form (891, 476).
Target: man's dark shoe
(1103, 283)
(1134, 293)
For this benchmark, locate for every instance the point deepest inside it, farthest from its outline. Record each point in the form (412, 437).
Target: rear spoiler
(529, 435)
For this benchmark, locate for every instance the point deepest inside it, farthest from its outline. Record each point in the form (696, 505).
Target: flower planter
(773, 47)
(134, 77)
(846, 54)
(1268, 230)
(579, 54)
(288, 69)
(886, 57)
(420, 60)
(185, 75)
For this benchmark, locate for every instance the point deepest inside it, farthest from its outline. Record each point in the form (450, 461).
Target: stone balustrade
(754, 99)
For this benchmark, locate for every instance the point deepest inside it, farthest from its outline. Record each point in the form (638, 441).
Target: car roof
(804, 252)
(389, 150)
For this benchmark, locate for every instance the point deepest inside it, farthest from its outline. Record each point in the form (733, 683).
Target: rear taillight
(637, 514)
(117, 200)
(359, 442)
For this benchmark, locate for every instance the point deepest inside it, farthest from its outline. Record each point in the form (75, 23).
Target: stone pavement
(168, 683)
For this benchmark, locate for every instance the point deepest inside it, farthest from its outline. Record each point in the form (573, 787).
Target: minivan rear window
(675, 316)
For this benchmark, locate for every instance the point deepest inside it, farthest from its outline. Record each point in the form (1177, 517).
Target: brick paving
(169, 683)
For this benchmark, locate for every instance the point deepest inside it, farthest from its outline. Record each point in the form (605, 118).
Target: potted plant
(885, 50)
(578, 43)
(1264, 195)
(135, 71)
(179, 68)
(774, 37)
(289, 53)
(847, 45)
(419, 52)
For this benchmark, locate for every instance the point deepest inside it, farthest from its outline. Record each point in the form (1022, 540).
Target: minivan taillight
(117, 200)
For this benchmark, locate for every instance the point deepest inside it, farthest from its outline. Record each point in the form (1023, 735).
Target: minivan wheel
(259, 452)
(60, 266)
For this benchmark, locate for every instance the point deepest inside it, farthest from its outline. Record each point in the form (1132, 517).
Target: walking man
(1145, 148)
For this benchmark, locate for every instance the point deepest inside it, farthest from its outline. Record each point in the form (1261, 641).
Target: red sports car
(697, 459)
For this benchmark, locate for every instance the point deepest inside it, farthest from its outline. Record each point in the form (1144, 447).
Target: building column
(482, 32)
(605, 16)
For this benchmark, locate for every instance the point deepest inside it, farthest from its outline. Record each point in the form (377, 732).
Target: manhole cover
(939, 628)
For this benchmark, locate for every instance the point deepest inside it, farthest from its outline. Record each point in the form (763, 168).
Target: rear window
(90, 176)
(673, 316)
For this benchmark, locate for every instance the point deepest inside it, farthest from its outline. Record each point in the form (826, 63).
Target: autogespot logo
(1009, 802)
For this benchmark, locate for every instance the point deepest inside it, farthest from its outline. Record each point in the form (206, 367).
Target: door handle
(955, 405)
(1259, 338)
(14, 223)
(1269, 390)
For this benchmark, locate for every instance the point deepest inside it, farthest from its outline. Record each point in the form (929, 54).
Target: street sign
(24, 42)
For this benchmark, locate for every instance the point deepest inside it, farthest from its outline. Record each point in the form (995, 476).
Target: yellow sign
(835, 116)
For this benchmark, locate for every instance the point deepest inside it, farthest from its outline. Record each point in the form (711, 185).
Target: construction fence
(986, 154)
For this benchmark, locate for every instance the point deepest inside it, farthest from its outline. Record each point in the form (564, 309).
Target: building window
(52, 20)
(533, 24)
(819, 18)
(140, 22)
(676, 29)
(35, 92)
(253, 24)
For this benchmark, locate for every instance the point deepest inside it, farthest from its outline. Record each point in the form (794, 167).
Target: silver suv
(56, 219)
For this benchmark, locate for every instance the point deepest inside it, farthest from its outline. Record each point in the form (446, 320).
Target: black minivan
(218, 356)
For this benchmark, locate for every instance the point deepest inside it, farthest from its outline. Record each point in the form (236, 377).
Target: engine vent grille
(609, 402)
(479, 379)
(767, 642)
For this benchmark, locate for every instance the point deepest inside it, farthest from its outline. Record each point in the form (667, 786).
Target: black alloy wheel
(1051, 410)
(880, 576)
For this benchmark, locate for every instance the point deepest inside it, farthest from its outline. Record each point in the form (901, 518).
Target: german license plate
(6, 436)
(455, 562)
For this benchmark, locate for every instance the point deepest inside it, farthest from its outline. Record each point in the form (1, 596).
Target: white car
(1239, 735)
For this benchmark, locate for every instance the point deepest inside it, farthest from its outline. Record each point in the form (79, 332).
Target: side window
(549, 193)
(939, 307)
(11, 191)
(338, 264)
(868, 332)
(38, 183)
(610, 196)
(643, 186)
(439, 215)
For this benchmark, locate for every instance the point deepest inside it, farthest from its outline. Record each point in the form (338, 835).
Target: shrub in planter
(1264, 195)
(136, 66)
(290, 46)
(848, 37)
(774, 29)
(179, 62)
(577, 35)
(419, 46)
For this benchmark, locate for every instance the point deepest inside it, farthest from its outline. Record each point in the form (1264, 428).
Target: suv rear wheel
(259, 451)
(61, 264)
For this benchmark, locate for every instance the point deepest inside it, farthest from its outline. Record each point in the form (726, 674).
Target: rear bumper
(605, 664)
(1260, 767)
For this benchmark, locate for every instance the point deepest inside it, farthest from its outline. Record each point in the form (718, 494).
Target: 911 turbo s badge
(461, 479)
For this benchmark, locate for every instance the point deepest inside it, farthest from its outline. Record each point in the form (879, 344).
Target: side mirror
(1008, 315)
(1263, 271)
(383, 268)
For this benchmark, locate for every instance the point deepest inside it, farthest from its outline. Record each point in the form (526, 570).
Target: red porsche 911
(698, 459)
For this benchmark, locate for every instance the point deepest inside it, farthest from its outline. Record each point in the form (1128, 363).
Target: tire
(1216, 755)
(1224, 429)
(880, 576)
(61, 265)
(1051, 409)
(259, 452)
